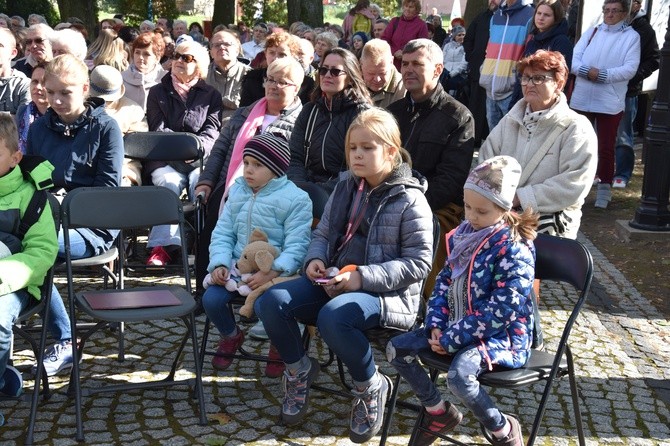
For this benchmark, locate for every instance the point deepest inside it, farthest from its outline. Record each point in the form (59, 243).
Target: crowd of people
(344, 145)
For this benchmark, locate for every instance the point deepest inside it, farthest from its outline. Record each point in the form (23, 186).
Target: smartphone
(322, 281)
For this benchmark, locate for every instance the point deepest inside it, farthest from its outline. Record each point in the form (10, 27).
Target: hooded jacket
(508, 33)
(31, 257)
(318, 157)
(14, 92)
(439, 134)
(499, 313)
(607, 94)
(281, 209)
(554, 39)
(88, 152)
(398, 249)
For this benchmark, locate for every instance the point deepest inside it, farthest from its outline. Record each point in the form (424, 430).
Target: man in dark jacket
(438, 132)
(649, 62)
(474, 44)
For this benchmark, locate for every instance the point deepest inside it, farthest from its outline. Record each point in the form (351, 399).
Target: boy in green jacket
(24, 260)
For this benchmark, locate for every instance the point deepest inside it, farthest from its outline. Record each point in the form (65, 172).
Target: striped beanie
(270, 150)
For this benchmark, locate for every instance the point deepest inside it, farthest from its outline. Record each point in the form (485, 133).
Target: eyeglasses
(280, 84)
(223, 44)
(333, 71)
(537, 79)
(612, 11)
(188, 58)
(36, 41)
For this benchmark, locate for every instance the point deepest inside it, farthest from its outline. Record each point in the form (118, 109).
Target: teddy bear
(258, 255)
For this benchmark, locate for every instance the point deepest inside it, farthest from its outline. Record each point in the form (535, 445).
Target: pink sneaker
(159, 257)
(274, 369)
(227, 346)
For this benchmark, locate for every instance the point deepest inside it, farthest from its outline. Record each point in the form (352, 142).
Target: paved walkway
(623, 366)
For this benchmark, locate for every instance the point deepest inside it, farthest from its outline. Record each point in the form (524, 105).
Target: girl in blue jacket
(263, 198)
(481, 312)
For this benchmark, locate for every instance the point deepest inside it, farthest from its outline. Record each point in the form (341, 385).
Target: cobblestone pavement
(620, 343)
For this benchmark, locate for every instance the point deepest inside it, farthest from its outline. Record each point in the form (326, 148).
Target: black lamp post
(653, 214)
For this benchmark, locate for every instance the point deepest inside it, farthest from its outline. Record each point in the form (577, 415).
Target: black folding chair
(169, 146)
(124, 209)
(559, 260)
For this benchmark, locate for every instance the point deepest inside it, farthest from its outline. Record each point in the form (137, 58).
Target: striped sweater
(509, 30)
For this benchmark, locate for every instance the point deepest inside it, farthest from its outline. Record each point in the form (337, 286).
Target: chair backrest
(563, 260)
(120, 207)
(162, 146)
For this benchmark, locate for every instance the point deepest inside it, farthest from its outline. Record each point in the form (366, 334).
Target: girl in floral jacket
(481, 311)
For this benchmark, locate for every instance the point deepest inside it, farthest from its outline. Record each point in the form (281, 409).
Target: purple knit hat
(270, 150)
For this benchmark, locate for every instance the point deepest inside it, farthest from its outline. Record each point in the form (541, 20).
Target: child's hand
(348, 279)
(434, 341)
(220, 275)
(259, 278)
(315, 270)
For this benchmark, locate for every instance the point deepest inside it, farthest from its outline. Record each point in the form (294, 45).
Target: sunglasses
(36, 41)
(188, 58)
(333, 71)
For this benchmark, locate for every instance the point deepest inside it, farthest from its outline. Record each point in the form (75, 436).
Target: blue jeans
(215, 302)
(11, 306)
(625, 155)
(496, 109)
(341, 321)
(168, 235)
(464, 369)
(59, 321)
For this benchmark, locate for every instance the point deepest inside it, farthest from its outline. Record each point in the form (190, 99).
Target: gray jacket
(228, 83)
(14, 91)
(216, 167)
(399, 246)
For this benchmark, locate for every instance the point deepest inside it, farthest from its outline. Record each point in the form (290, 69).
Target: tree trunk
(473, 9)
(293, 8)
(311, 11)
(224, 12)
(85, 10)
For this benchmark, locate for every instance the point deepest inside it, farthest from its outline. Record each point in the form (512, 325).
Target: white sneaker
(57, 358)
(258, 332)
(619, 183)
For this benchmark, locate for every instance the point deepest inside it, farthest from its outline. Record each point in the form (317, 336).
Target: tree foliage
(136, 11)
(26, 7)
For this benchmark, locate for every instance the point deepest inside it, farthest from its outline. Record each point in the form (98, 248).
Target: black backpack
(39, 199)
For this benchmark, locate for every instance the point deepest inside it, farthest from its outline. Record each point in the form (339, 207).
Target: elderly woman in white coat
(605, 58)
(556, 147)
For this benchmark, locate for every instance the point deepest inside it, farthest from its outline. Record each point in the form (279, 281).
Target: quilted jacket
(499, 314)
(399, 246)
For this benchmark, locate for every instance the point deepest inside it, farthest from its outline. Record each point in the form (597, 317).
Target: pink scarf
(246, 132)
(182, 88)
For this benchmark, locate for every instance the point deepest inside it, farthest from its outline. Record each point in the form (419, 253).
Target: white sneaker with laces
(57, 358)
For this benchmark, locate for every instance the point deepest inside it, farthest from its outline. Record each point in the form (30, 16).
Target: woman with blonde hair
(181, 102)
(107, 49)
